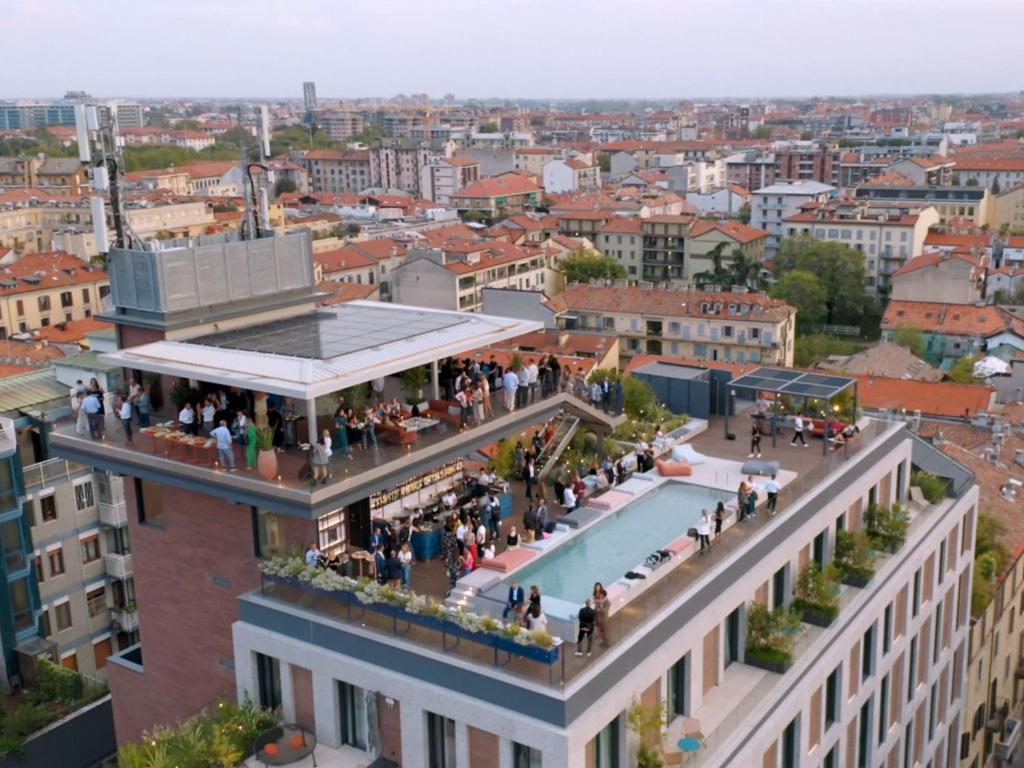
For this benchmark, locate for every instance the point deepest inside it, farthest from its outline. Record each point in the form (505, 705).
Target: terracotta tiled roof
(943, 239)
(990, 163)
(931, 398)
(72, 331)
(343, 259)
(626, 225)
(736, 369)
(739, 232)
(500, 186)
(949, 319)
(43, 271)
(658, 301)
(932, 259)
(342, 291)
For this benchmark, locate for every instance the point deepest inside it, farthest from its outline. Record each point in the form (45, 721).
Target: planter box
(817, 617)
(534, 652)
(753, 659)
(858, 579)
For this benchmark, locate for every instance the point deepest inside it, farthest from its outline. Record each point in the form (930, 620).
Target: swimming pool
(620, 542)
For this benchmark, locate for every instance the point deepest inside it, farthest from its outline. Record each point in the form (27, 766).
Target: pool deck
(485, 590)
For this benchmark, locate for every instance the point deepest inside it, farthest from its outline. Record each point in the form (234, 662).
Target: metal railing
(51, 471)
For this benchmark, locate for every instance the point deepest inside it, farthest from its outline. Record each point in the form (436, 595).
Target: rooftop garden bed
(771, 636)
(816, 597)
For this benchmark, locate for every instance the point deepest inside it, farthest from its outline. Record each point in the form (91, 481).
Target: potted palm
(816, 597)
(266, 459)
(648, 722)
(413, 381)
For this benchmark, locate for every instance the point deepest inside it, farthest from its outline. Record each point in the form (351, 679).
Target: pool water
(621, 542)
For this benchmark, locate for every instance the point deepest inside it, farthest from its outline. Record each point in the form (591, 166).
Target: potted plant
(816, 597)
(413, 381)
(854, 558)
(266, 459)
(648, 722)
(770, 638)
(887, 527)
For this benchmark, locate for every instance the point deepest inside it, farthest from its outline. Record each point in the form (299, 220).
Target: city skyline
(417, 56)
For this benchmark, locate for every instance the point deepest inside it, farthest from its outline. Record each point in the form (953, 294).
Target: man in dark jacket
(587, 616)
(516, 597)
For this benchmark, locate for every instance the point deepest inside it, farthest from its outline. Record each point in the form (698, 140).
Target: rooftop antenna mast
(247, 217)
(257, 200)
(99, 148)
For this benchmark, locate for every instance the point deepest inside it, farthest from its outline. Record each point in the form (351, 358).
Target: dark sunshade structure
(785, 381)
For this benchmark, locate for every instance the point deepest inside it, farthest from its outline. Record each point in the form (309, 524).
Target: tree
(745, 213)
(763, 132)
(962, 371)
(840, 270)
(806, 136)
(580, 266)
(604, 162)
(744, 269)
(812, 348)
(910, 337)
(284, 185)
(802, 289)
(971, 182)
(996, 189)
(488, 128)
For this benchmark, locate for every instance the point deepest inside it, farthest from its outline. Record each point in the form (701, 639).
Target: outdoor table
(689, 744)
(416, 423)
(284, 745)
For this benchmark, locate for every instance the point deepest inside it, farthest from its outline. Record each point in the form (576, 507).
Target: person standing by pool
(755, 441)
(586, 619)
(742, 500)
(719, 519)
(512, 540)
(516, 597)
(601, 605)
(751, 498)
(405, 559)
(704, 530)
(534, 599)
(772, 488)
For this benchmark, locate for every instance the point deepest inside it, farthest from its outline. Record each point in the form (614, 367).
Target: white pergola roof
(332, 349)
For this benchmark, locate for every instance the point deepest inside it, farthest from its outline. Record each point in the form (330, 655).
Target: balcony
(1007, 744)
(126, 617)
(114, 515)
(997, 718)
(51, 471)
(119, 566)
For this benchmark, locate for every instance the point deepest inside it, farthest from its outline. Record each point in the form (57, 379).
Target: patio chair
(917, 498)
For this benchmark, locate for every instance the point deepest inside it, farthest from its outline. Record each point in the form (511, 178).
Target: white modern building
(774, 204)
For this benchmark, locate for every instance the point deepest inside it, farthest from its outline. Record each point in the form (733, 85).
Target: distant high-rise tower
(309, 95)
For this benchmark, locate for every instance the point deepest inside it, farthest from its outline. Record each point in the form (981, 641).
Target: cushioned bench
(579, 517)
(763, 467)
(395, 435)
(509, 559)
(680, 545)
(610, 500)
(442, 409)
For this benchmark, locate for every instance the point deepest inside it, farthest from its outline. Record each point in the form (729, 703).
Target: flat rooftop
(323, 351)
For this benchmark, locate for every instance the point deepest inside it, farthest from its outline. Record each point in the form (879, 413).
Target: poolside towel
(762, 467)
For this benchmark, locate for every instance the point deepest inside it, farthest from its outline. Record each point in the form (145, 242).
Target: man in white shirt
(522, 392)
(532, 374)
(94, 414)
(378, 389)
(450, 499)
(509, 384)
(187, 419)
(772, 488)
(460, 533)
(125, 412)
(224, 445)
(569, 498)
(798, 431)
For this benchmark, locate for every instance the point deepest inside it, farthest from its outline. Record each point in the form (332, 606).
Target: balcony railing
(1007, 744)
(115, 515)
(8, 437)
(119, 566)
(50, 471)
(126, 617)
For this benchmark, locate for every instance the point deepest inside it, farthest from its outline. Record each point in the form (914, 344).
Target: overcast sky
(509, 48)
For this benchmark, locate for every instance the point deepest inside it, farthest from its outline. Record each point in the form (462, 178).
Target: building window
(39, 569)
(915, 605)
(56, 558)
(887, 629)
(21, 604)
(864, 736)
(883, 710)
(270, 530)
(96, 601)
(352, 710)
(14, 548)
(44, 303)
(440, 741)
(679, 687)
(867, 657)
(91, 549)
(85, 296)
(832, 697)
(101, 651)
(912, 670)
(606, 746)
(789, 744)
(67, 300)
(62, 613)
(45, 630)
(525, 757)
(84, 497)
(268, 676)
(19, 305)
(48, 508)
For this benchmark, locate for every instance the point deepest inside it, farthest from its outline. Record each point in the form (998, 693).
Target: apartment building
(706, 235)
(340, 125)
(750, 169)
(996, 173)
(738, 327)
(888, 236)
(952, 331)
(531, 160)
(338, 172)
(68, 541)
(803, 161)
(505, 195)
(42, 289)
(773, 204)
(399, 163)
(442, 177)
(453, 277)
(570, 175)
(63, 175)
(951, 202)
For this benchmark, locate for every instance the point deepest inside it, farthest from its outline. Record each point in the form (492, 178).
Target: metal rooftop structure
(323, 351)
(784, 381)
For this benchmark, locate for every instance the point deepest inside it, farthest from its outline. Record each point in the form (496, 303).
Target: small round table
(689, 744)
(284, 745)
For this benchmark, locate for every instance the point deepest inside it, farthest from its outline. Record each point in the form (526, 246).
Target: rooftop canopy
(324, 351)
(783, 381)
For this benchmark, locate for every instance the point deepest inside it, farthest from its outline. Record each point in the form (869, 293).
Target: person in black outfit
(587, 617)
(755, 441)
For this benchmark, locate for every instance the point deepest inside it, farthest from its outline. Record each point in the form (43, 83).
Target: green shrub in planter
(933, 488)
(887, 526)
(770, 637)
(816, 597)
(854, 558)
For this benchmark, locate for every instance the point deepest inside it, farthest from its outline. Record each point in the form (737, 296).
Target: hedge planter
(768, 661)
(818, 615)
(857, 578)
